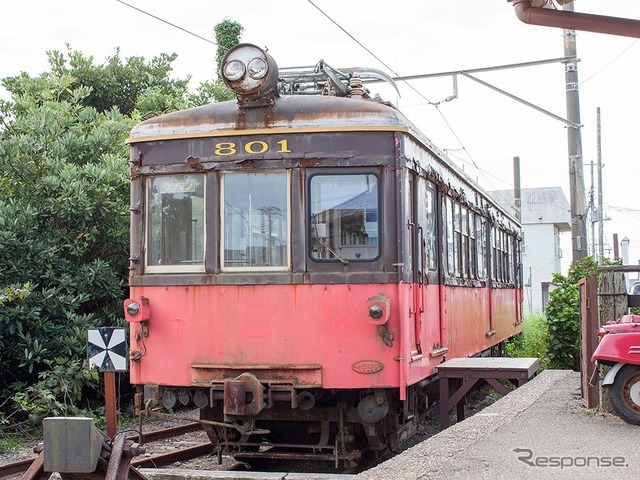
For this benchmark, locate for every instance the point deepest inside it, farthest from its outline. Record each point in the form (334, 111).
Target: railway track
(13, 469)
(197, 451)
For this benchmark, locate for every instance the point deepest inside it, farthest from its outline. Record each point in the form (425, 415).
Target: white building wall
(545, 215)
(540, 261)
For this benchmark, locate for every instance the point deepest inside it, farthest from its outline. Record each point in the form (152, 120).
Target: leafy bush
(532, 341)
(59, 391)
(563, 315)
(64, 216)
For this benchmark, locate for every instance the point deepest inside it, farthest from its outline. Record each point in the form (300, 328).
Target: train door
(428, 265)
(413, 261)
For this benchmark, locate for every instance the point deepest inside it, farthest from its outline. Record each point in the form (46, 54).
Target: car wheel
(625, 394)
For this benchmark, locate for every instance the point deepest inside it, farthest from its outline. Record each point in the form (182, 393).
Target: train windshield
(344, 217)
(255, 217)
(175, 232)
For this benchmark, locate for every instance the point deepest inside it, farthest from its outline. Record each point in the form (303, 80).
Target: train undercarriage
(247, 420)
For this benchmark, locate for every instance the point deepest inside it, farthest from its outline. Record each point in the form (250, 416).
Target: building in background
(545, 214)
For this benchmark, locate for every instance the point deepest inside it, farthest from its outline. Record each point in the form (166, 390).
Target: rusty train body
(300, 264)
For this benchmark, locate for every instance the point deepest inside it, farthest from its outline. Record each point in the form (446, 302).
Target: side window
(472, 246)
(457, 228)
(255, 221)
(447, 213)
(432, 254)
(465, 242)
(480, 247)
(175, 223)
(344, 217)
(494, 255)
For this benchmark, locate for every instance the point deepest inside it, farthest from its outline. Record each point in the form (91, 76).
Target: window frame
(173, 268)
(221, 195)
(310, 225)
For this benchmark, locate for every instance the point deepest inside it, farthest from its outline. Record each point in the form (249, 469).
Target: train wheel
(625, 394)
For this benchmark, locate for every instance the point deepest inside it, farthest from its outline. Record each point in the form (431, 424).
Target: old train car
(300, 264)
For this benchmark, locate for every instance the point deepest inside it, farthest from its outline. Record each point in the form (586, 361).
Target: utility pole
(594, 215)
(600, 206)
(574, 138)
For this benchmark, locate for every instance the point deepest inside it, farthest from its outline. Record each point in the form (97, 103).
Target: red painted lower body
(314, 335)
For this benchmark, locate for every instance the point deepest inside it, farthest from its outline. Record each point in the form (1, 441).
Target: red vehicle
(302, 262)
(619, 347)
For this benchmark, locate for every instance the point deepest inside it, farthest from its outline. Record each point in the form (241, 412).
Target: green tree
(227, 35)
(563, 315)
(64, 227)
(64, 217)
(118, 83)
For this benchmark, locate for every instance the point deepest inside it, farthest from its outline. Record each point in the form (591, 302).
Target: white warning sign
(107, 349)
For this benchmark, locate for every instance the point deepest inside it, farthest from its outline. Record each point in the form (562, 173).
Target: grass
(532, 342)
(9, 445)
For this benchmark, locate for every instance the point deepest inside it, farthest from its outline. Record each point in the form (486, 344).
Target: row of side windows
(465, 240)
(466, 236)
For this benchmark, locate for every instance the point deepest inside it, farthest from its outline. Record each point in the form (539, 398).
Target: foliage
(58, 391)
(563, 314)
(532, 341)
(8, 445)
(14, 292)
(227, 35)
(116, 84)
(63, 230)
(64, 218)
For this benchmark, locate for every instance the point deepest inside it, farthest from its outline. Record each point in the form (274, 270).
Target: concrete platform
(538, 431)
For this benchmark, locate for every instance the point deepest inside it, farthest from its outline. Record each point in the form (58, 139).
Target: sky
(481, 129)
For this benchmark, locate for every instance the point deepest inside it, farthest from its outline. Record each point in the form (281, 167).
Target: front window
(255, 217)
(345, 217)
(175, 232)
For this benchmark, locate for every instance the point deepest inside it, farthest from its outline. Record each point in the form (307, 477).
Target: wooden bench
(458, 376)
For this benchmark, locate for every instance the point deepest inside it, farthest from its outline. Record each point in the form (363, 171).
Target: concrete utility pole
(574, 137)
(600, 204)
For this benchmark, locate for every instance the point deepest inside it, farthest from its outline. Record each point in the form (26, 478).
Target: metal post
(517, 193)
(574, 138)
(110, 403)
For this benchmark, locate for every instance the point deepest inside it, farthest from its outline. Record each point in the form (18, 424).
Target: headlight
(133, 309)
(258, 68)
(233, 70)
(252, 74)
(376, 311)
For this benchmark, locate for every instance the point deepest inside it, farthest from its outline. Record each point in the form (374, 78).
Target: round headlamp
(233, 70)
(376, 311)
(252, 74)
(257, 68)
(133, 309)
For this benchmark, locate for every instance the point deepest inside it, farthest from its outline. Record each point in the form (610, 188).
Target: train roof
(289, 114)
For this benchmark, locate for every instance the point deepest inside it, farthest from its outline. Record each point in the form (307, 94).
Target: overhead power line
(168, 23)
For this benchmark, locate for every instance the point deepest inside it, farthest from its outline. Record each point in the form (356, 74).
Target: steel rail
(20, 466)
